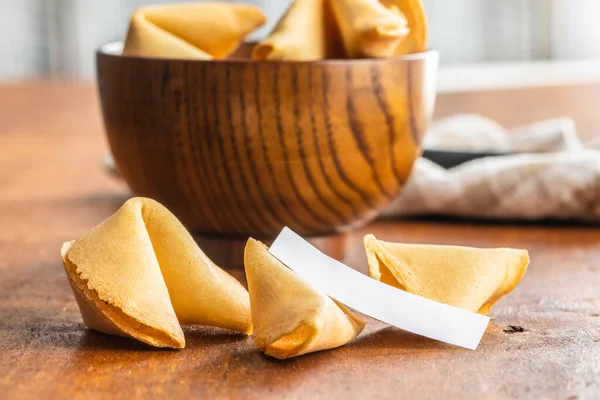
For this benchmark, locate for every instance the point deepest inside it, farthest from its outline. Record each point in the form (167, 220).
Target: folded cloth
(551, 175)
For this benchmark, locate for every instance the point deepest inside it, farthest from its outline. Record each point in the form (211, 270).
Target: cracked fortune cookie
(190, 31)
(469, 278)
(368, 28)
(291, 318)
(140, 274)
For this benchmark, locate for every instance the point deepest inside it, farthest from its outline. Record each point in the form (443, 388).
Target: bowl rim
(114, 50)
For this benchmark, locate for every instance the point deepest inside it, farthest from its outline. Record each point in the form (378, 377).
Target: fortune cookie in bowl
(140, 274)
(368, 28)
(469, 278)
(291, 318)
(299, 35)
(191, 31)
(414, 12)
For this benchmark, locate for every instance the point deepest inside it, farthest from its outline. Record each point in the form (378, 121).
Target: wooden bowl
(237, 147)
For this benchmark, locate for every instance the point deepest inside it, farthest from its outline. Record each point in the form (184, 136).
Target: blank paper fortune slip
(378, 300)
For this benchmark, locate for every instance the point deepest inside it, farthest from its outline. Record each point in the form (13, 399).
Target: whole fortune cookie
(414, 12)
(369, 28)
(140, 274)
(465, 277)
(299, 35)
(191, 30)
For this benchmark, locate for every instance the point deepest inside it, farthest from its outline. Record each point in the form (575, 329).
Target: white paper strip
(378, 300)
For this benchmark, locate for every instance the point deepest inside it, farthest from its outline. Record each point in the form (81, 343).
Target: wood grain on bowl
(240, 148)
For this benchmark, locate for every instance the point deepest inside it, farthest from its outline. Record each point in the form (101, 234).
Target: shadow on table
(393, 338)
(92, 340)
(195, 336)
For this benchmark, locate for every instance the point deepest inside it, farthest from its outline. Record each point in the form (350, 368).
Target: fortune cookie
(469, 278)
(368, 28)
(140, 274)
(299, 35)
(414, 12)
(191, 31)
(290, 317)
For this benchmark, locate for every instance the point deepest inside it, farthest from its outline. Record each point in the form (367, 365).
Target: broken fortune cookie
(140, 274)
(290, 317)
(469, 278)
(368, 28)
(191, 31)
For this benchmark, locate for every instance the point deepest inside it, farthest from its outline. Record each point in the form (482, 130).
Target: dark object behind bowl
(451, 159)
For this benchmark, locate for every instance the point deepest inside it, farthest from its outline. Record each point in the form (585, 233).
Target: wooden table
(53, 188)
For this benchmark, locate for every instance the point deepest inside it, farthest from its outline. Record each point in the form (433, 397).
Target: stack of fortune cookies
(140, 274)
(309, 30)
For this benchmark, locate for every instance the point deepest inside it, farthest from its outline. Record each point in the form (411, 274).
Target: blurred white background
(57, 38)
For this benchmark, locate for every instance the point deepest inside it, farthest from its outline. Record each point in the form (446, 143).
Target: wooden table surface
(53, 188)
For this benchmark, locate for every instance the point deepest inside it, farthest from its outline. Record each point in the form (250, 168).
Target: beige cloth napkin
(553, 176)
